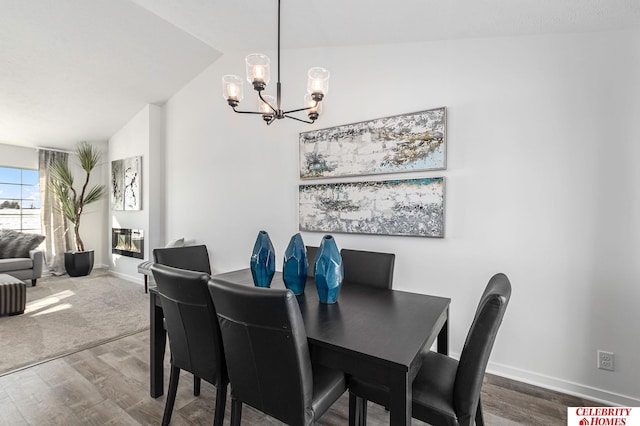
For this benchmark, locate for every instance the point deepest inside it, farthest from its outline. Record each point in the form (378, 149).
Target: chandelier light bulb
(232, 89)
(264, 107)
(318, 82)
(268, 114)
(258, 73)
(258, 70)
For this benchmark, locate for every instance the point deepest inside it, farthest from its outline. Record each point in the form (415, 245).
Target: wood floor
(109, 385)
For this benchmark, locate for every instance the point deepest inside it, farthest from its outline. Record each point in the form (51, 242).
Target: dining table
(370, 333)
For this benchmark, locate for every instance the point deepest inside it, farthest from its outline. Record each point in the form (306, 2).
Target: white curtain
(54, 226)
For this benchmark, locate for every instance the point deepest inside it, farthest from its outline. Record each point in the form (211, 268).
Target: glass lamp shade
(265, 108)
(318, 83)
(258, 69)
(232, 88)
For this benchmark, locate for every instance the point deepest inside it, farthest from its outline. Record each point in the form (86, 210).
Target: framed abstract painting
(126, 184)
(412, 207)
(402, 143)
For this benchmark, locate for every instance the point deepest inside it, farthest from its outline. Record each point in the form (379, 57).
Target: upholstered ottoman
(145, 269)
(13, 295)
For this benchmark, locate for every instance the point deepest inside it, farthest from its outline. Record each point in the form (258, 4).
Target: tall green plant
(71, 203)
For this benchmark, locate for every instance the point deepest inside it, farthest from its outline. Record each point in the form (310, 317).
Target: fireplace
(127, 242)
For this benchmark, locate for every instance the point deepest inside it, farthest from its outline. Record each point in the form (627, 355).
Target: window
(20, 199)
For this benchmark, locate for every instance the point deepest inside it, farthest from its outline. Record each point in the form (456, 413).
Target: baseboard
(563, 386)
(126, 277)
(559, 385)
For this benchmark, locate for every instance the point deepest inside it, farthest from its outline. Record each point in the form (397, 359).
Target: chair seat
(432, 390)
(328, 386)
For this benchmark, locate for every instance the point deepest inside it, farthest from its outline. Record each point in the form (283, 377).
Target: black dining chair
(446, 391)
(265, 345)
(311, 258)
(193, 258)
(194, 334)
(368, 267)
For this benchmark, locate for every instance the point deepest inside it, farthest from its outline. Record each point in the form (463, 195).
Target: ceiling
(74, 70)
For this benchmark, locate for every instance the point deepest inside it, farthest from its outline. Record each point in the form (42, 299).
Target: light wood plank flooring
(109, 385)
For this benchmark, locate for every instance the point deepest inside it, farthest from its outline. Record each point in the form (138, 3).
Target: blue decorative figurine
(294, 270)
(329, 271)
(263, 261)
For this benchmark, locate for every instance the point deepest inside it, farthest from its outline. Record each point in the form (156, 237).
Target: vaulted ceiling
(74, 70)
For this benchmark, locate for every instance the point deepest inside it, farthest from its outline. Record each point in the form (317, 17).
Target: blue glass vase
(294, 270)
(329, 271)
(263, 261)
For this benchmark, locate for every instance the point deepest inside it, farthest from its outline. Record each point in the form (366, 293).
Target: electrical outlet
(605, 360)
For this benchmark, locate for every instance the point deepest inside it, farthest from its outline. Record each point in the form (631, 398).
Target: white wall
(141, 136)
(17, 156)
(541, 185)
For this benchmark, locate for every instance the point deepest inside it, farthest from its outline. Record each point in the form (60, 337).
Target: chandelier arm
(263, 100)
(300, 109)
(246, 112)
(300, 119)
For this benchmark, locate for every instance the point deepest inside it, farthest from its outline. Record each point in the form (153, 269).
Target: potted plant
(72, 201)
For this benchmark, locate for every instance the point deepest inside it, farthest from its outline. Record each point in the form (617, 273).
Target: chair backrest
(368, 267)
(191, 322)
(193, 258)
(477, 348)
(311, 258)
(265, 344)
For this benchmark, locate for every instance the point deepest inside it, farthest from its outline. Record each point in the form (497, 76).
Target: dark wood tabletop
(387, 326)
(369, 332)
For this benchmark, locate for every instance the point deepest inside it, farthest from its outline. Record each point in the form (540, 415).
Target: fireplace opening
(127, 242)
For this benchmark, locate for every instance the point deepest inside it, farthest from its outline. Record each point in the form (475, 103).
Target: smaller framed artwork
(412, 207)
(117, 185)
(402, 143)
(126, 181)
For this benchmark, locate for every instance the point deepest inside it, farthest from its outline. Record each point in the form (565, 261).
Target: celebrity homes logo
(603, 416)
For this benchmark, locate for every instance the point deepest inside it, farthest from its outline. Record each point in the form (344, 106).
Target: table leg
(443, 337)
(158, 338)
(400, 400)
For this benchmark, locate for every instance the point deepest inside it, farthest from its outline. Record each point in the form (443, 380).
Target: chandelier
(258, 74)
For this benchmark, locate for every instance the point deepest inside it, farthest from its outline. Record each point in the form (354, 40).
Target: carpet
(66, 315)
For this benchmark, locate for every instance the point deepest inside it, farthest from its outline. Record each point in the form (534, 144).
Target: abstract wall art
(126, 184)
(402, 143)
(413, 207)
(117, 190)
